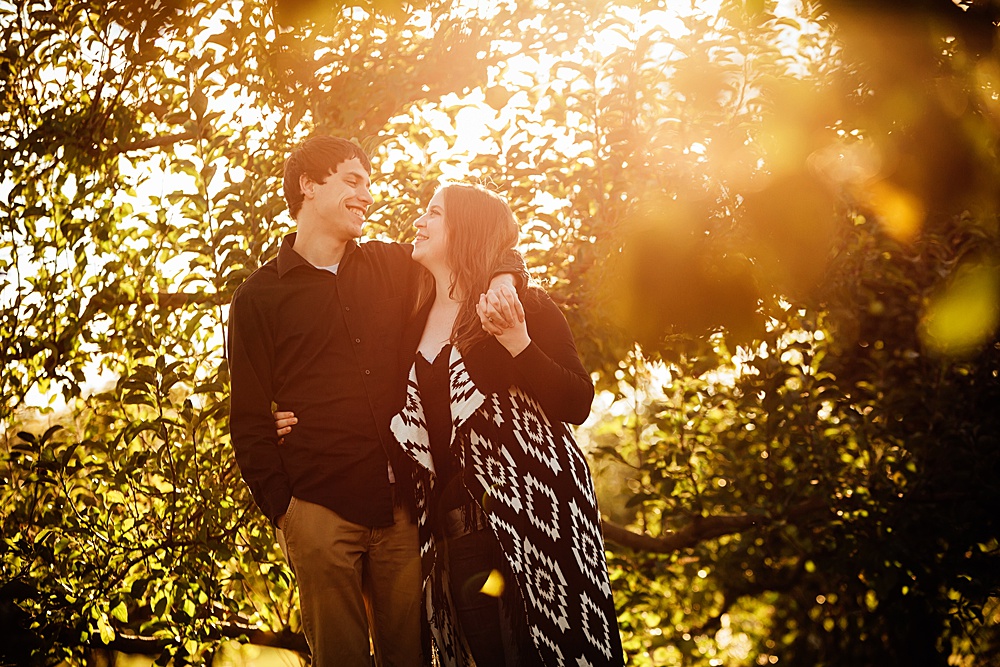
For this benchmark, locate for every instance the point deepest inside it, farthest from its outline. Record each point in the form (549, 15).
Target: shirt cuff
(278, 505)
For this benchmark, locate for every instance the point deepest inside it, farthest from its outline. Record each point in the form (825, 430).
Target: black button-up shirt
(326, 347)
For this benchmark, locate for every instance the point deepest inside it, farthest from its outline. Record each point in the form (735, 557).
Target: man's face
(341, 201)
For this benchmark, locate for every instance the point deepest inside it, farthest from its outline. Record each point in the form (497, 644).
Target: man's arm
(514, 268)
(251, 425)
(499, 310)
(512, 274)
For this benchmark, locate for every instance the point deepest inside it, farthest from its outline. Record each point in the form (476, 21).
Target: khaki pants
(354, 580)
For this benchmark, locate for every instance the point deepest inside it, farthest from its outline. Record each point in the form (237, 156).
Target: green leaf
(138, 399)
(120, 612)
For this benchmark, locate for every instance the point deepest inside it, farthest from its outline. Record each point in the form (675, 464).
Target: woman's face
(430, 247)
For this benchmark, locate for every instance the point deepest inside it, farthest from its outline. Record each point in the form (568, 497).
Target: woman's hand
(283, 422)
(498, 310)
(514, 336)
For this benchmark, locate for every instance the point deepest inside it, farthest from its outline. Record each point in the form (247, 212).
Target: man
(317, 330)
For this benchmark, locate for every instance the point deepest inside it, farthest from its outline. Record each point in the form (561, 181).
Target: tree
(806, 491)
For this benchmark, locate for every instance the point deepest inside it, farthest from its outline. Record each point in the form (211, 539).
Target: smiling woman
(485, 408)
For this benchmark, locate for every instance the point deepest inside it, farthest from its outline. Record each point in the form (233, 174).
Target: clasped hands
(502, 315)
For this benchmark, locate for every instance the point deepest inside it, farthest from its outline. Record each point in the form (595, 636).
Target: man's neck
(319, 249)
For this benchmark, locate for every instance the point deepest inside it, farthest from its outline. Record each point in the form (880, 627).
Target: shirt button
(357, 340)
(347, 308)
(368, 372)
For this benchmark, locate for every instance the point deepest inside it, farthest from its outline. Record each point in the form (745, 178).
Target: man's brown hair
(317, 157)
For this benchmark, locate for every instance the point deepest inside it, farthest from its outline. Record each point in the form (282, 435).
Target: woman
(511, 542)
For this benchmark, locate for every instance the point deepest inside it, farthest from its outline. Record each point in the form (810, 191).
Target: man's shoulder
(258, 282)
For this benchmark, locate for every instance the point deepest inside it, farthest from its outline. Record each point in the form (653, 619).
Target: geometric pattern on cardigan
(535, 488)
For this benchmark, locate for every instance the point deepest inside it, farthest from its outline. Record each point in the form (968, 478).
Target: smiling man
(317, 331)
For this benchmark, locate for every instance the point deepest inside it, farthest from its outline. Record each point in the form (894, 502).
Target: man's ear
(306, 186)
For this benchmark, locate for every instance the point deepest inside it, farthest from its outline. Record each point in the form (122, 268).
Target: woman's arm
(542, 356)
(551, 365)
(283, 422)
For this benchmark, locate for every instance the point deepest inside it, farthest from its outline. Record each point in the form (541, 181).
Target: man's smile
(359, 211)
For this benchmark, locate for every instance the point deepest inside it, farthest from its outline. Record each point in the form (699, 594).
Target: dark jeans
(471, 558)
(495, 628)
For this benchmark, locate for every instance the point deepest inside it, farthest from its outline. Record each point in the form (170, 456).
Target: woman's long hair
(482, 232)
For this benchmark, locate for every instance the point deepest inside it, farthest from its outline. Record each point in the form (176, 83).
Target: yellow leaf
(107, 632)
(114, 497)
(120, 612)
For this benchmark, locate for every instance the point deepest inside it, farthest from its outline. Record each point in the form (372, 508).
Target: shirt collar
(288, 259)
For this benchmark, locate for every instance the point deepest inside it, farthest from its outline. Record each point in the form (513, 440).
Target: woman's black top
(432, 377)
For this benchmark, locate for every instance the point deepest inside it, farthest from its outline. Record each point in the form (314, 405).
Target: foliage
(775, 237)
(858, 442)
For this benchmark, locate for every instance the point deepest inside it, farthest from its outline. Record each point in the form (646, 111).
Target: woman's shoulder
(534, 295)
(536, 301)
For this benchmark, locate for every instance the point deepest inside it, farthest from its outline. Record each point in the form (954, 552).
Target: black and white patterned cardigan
(535, 487)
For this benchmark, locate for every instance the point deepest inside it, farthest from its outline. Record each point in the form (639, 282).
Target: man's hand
(514, 337)
(499, 308)
(281, 522)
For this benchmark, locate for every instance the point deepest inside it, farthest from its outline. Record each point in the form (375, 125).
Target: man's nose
(366, 196)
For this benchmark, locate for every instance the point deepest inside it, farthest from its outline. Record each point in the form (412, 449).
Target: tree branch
(138, 645)
(155, 142)
(701, 528)
(103, 302)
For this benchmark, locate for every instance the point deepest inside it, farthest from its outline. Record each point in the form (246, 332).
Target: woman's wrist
(517, 346)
